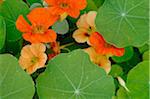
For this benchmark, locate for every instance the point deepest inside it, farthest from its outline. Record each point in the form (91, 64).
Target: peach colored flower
(33, 57)
(99, 59)
(86, 26)
(38, 32)
(102, 47)
(66, 7)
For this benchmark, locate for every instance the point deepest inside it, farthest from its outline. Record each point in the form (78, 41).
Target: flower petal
(31, 69)
(91, 18)
(74, 13)
(37, 48)
(80, 36)
(22, 25)
(41, 16)
(49, 36)
(50, 2)
(32, 38)
(26, 52)
(42, 60)
(82, 22)
(24, 62)
(80, 4)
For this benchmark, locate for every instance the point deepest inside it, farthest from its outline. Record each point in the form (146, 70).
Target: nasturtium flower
(99, 59)
(102, 47)
(63, 8)
(33, 57)
(55, 47)
(86, 26)
(38, 32)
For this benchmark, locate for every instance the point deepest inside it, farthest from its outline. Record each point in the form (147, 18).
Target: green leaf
(35, 5)
(143, 48)
(10, 10)
(128, 55)
(98, 3)
(14, 47)
(116, 70)
(61, 27)
(122, 94)
(14, 82)
(2, 32)
(124, 22)
(146, 55)
(91, 6)
(30, 2)
(138, 81)
(73, 76)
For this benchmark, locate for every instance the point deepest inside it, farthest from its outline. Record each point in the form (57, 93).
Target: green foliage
(69, 76)
(2, 32)
(61, 27)
(124, 22)
(146, 55)
(116, 70)
(14, 82)
(91, 6)
(13, 48)
(137, 83)
(10, 10)
(122, 94)
(35, 5)
(127, 56)
(30, 2)
(98, 3)
(143, 48)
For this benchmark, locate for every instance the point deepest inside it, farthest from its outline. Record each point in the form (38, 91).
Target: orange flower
(55, 47)
(102, 47)
(66, 7)
(99, 59)
(86, 26)
(38, 32)
(33, 57)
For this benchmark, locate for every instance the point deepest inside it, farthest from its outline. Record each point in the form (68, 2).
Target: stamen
(64, 5)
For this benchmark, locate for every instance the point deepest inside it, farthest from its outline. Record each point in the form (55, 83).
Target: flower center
(64, 5)
(86, 34)
(34, 60)
(107, 45)
(38, 29)
(1, 1)
(91, 29)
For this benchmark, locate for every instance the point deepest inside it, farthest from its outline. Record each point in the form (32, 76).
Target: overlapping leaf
(14, 82)
(73, 76)
(10, 10)
(137, 83)
(124, 22)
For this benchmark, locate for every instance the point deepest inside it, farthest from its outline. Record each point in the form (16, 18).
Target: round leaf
(10, 10)
(14, 82)
(128, 55)
(137, 83)
(73, 76)
(2, 32)
(124, 22)
(122, 94)
(61, 27)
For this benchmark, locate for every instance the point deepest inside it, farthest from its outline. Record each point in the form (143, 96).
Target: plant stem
(66, 45)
